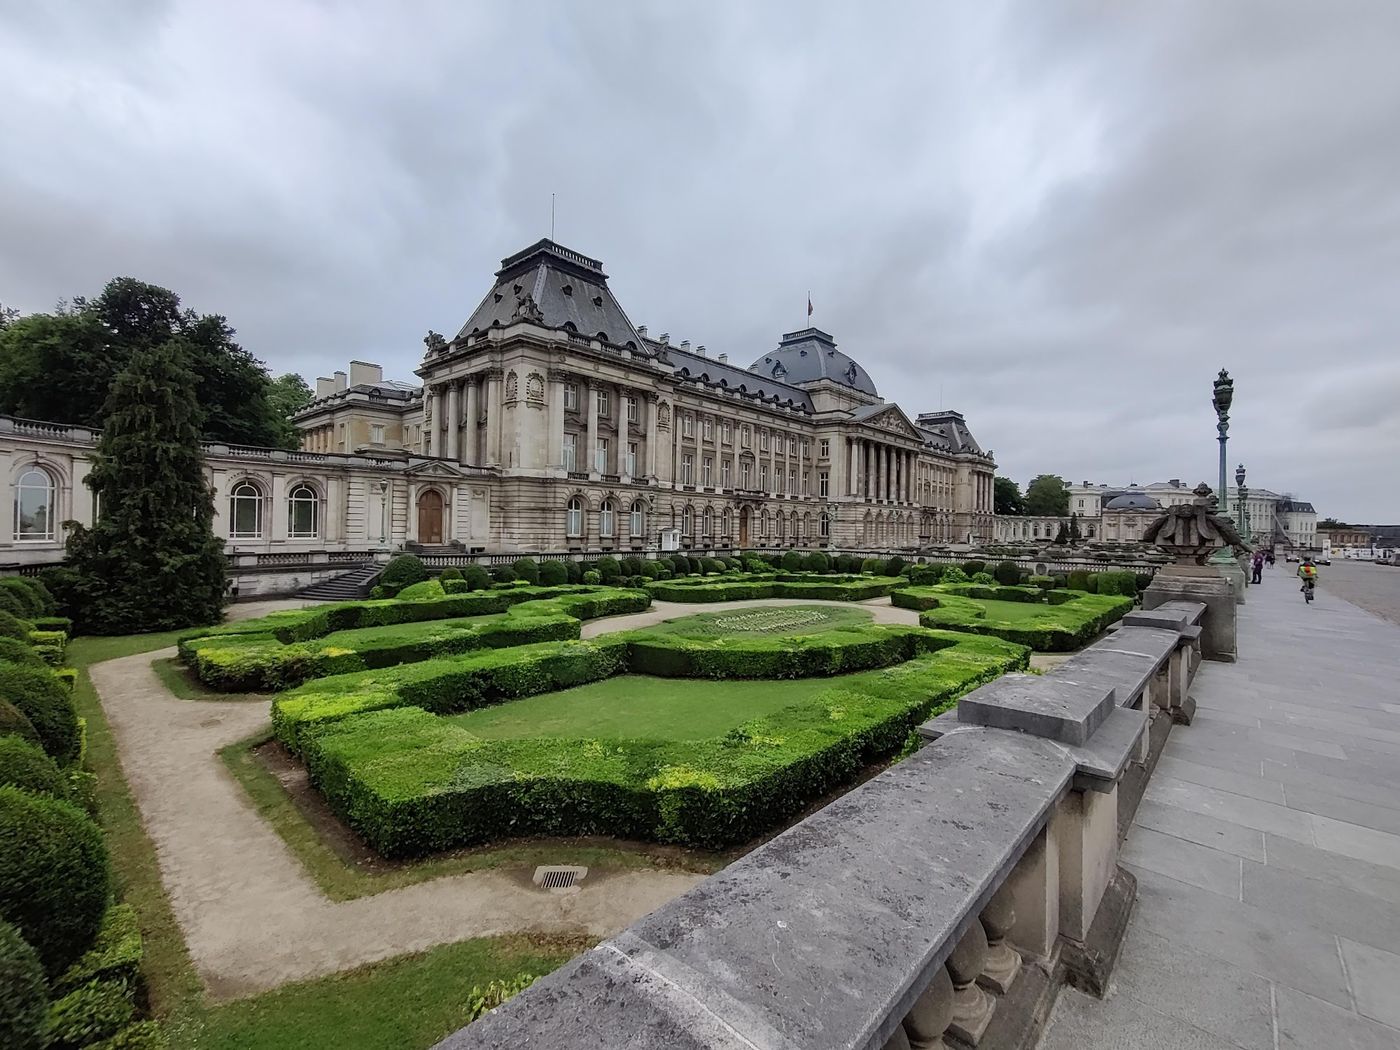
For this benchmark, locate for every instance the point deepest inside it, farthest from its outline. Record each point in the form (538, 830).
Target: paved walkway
(1267, 849)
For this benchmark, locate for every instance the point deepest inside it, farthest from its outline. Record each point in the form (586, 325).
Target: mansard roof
(949, 430)
(809, 355)
(558, 288)
(690, 364)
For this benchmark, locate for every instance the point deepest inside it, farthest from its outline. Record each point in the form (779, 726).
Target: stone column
(622, 434)
(555, 454)
(1086, 825)
(590, 393)
(648, 406)
(801, 467)
(430, 447)
(852, 468)
(493, 418)
(454, 422)
(472, 452)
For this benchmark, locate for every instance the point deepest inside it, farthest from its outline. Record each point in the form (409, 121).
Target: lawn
(1020, 612)
(784, 620)
(640, 707)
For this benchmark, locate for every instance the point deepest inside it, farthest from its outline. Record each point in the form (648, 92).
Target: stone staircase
(345, 587)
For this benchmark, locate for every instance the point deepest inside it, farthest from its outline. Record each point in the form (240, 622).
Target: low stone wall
(947, 897)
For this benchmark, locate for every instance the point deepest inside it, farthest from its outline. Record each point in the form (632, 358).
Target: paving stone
(1375, 981)
(1353, 811)
(1343, 787)
(1210, 869)
(1352, 840)
(1261, 941)
(1305, 1022)
(1218, 834)
(1359, 876)
(1211, 776)
(1371, 920)
(1121, 1022)
(1235, 809)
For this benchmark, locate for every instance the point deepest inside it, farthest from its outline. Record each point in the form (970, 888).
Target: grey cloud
(1061, 219)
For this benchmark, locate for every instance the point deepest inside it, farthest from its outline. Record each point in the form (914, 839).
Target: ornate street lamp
(1241, 504)
(1224, 394)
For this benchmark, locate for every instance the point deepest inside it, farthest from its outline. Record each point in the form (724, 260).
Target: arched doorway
(743, 528)
(430, 516)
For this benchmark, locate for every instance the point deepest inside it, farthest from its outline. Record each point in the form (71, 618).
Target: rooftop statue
(1191, 532)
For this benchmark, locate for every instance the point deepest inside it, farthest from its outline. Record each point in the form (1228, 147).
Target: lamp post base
(1224, 563)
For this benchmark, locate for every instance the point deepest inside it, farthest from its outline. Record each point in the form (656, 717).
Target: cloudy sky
(1059, 218)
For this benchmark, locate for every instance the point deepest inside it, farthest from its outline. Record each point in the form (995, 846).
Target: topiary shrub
(953, 574)
(503, 574)
(791, 562)
(983, 578)
(526, 569)
(27, 592)
(1045, 583)
(1143, 581)
(54, 876)
(24, 765)
(817, 562)
(401, 571)
(631, 566)
(41, 698)
(554, 573)
(1091, 583)
(14, 723)
(664, 574)
(13, 651)
(592, 576)
(97, 1010)
(680, 564)
(575, 570)
(23, 995)
(875, 566)
(972, 568)
(607, 568)
(1078, 580)
(450, 574)
(1007, 573)
(12, 604)
(11, 626)
(476, 578)
(651, 569)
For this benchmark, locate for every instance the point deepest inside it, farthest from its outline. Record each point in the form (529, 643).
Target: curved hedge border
(817, 655)
(411, 783)
(260, 662)
(447, 684)
(1059, 628)
(816, 588)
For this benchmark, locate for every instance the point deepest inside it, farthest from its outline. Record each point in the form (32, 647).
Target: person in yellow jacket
(1307, 572)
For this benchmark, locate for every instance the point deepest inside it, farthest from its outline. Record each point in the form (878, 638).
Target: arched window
(574, 518)
(638, 524)
(34, 505)
(725, 522)
(781, 522)
(687, 521)
(826, 525)
(303, 513)
(606, 526)
(707, 520)
(245, 512)
(764, 525)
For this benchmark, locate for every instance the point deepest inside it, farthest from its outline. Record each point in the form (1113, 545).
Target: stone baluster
(897, 1040)
(1003, 962)
(931, 1014)
(972, 1006)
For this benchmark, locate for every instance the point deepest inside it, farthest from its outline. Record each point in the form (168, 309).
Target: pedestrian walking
(1258, 563)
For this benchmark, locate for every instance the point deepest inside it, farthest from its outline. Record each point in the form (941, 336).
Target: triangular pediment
(433, 468)
(892, 420)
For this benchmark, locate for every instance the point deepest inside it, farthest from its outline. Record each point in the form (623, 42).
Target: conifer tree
(1074, 534)
(1062, 537)
(151, 562)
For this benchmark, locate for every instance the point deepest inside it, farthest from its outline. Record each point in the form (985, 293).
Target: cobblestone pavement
(1267, 846)
(1375, 588)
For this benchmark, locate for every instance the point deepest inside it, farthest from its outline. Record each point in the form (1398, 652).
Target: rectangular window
(1081, 504)
(570, 452)
(600, 456)
(632, 411)
(763, 440)
(744, 475)
(707, 471)
(824, 449)
(792, 446)
(725, 433)
(687, 425)
(792, 482)
(744, 435)
(823, 484)
(602, 398)
(763, 477)
(571, 397)
(632, 458)
(376, 433)
(687, 469)
(724, 473)
(709, 429)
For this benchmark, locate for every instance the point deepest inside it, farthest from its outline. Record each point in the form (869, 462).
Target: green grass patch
(814, 588)
(1048, 622)
(407, 1003)
(180, 680)
(780, 620)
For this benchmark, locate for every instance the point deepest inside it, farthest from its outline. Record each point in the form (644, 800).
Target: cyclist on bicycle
(1307, 572)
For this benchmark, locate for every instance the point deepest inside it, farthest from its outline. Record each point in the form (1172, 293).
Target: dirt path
(253, 918)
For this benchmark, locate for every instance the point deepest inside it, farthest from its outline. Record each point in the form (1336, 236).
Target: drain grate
(559, 877)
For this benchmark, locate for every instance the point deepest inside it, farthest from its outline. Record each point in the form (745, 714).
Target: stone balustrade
(940, 903)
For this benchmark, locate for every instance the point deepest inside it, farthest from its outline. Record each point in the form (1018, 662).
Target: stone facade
(551, 424)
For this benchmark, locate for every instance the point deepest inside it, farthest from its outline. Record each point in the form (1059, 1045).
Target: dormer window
(568, 289)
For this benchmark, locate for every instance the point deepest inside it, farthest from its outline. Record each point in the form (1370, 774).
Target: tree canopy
(1006, 497)
(61, 366)
(151, 562)
(1047, 495)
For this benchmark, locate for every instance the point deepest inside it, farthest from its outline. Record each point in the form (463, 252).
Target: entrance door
(743, 528)
(430, 517)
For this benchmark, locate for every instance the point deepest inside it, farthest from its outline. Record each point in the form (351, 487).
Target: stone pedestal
(1224, 564)
(1200, 583)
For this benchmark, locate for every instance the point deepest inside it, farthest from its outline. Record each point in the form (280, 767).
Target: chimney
(363, 373)
(642, 330)
(324, 387)
(339, 381)
(701, 350)
(685, 344)
(664, 338)
(1175, 483)
(723, 358)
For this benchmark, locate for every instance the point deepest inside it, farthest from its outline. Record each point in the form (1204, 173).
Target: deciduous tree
(1047, 496)
(1006, 497)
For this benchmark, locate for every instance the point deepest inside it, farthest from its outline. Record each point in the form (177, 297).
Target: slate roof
(702, 369)
(809, 355)
(1132, 501)
(570, 290)
(1296, 506)
(948, 429)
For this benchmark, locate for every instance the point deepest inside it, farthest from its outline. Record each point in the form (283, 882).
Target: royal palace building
(551, 424)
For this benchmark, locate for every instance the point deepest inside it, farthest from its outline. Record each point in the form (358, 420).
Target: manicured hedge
(40, 696)
(13, 651)
(25, 766)
(14, 723)
(411, 783)
(54, 878)
(115, 955)
(817, 588)
(1061, 628)
(817, 655)
(448, 684)
(261, 663)
(11, 626)
(23, 995)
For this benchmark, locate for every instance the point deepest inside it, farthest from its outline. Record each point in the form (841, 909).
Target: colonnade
(460, 405)
(881, 472)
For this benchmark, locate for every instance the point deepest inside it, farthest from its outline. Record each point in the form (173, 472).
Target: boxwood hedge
(1057, 628)
(411, 783)
(818, 588)
(261, 662)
